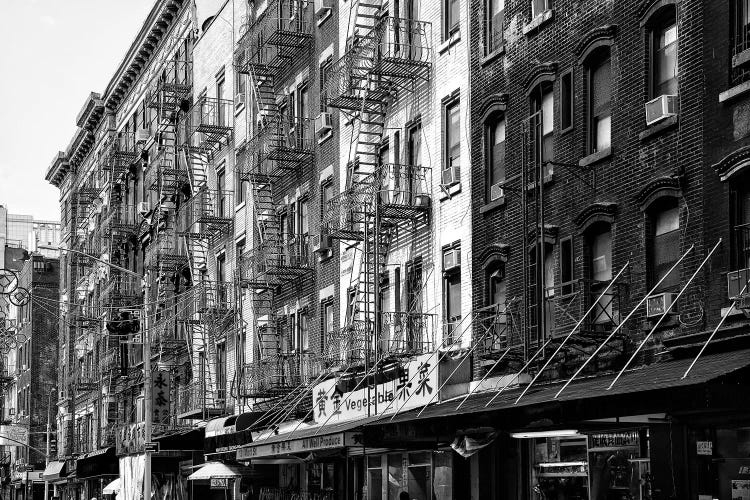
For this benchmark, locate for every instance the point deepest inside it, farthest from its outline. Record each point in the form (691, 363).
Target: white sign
(705, 448)
(301, 445)
(415, 386)
(16, 435)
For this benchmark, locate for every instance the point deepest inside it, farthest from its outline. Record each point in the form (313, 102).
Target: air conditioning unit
(323, 123)
(143, 207)
(657, 304)
(321, 243)
(738, 283)
(241, 98)
(451, 175)
(496, 191)
(323, 7)
(660, 108)
(451, 259)
(24, 368)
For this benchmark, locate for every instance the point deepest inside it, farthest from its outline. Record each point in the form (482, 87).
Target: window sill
(450, 42)
(238, 109)
(323, 138)
(488, 207)
(448, 192)
(493, 55)
(658, 128)
(239, 207)
(325, 17)
(741, 58)
(539, 21)
(596, 157)
(736, 91)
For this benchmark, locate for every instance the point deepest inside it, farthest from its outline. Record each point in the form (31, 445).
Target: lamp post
(147, 382)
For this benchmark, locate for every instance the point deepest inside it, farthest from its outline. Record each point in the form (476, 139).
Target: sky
(53, 53)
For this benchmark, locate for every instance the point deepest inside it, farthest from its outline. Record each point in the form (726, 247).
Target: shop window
(664, 244)
(495, 12)
(374, 478)
(495, 156)
(599, 75)
(663, 68)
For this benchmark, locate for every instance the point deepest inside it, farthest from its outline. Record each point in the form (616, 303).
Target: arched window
(496, 285)
(599, 239)
(494, 130)
(542, 121)
(664, 244)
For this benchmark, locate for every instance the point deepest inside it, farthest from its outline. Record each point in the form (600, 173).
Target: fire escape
(205, 219)
(282, 146)
(387, 60)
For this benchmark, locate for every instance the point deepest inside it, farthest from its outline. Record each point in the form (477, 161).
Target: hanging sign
(219, 483)
(704, 448)
(160, 389)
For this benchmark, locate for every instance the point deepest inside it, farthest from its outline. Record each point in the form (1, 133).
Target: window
(304, 217)
(539, 7)
(451, 17)
(664, 65)
(495, 156)
(496, 285)
(240, 87)
(221, 195)
(414, 145)
(541, 275)
(600, 269)
(566, 265)
(451, 291)
(741, 25)
(327, 320)
(452, 144)
(740, 193)
(567, 99)
(351, 305)
(543, 122)
(222, 119)
(240, 249)
(325, 73)
(664, 245)
(326, 195)
(600, 101)
(221, 369)
(495, 12)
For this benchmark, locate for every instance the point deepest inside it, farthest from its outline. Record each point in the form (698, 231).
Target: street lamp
(147, 383)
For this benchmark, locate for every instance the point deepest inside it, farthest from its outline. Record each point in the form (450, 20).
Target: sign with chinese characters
(614, 440)
(301, 445)
(160, 396)
(415, 386)
(705, 448)
(130, 438)
(14, 435)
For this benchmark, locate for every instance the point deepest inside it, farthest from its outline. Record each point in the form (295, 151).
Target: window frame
(451, 278)
(490, 126)
(548, 5)
(657, 23)
(451, 26)
(660, 206)
(567, 100)
(594, 62)
(493, 44)
(451, 105)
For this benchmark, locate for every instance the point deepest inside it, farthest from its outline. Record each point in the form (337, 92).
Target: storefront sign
(629, 439)
(705, 448)
(130, 438)
(14, 435)
(219, 483)
(314, 443)
(160, 396)
(414, 387)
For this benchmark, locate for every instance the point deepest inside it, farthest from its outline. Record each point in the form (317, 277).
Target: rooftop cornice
(91, 112)
(57, 169)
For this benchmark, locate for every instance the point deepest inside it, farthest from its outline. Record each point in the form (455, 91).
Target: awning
(662, 378)
(306, 440)
(220, 426)
(54, 471)
(211, 470)
(112, 488)
(185, 440)
(101, 462)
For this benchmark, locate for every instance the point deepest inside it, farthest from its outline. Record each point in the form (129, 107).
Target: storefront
(219, 481)
(96, 469)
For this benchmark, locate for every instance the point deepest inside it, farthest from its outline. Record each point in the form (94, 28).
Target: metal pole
(147, 386)
(49, 430)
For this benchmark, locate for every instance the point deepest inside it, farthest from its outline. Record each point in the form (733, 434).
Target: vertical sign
(160, 396)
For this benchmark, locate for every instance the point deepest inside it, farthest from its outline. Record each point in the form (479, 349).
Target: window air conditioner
(496, 191)
(422, 200)
(451, 175)
(322, 7)
(660, 108)
(143, 207)
(321, 243)
(451, 259)
(736, 282)
(143, 134)
(241, 98)
(657, 304)
(323, 123)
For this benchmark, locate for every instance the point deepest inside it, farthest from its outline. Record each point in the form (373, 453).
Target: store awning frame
(211, 470)
(54, 471)
(112, 488)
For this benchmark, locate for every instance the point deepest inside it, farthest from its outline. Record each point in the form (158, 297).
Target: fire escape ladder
(369, 12)
(195, 162)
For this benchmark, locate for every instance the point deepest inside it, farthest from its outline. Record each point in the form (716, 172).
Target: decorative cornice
(543, 71)
(735, 162)
(57, 169)
(549, 235)
(602, 33)
(648, 7)
(91, 112)
(603, 211)
(495, 102)
(494, 251)
(657, 188)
